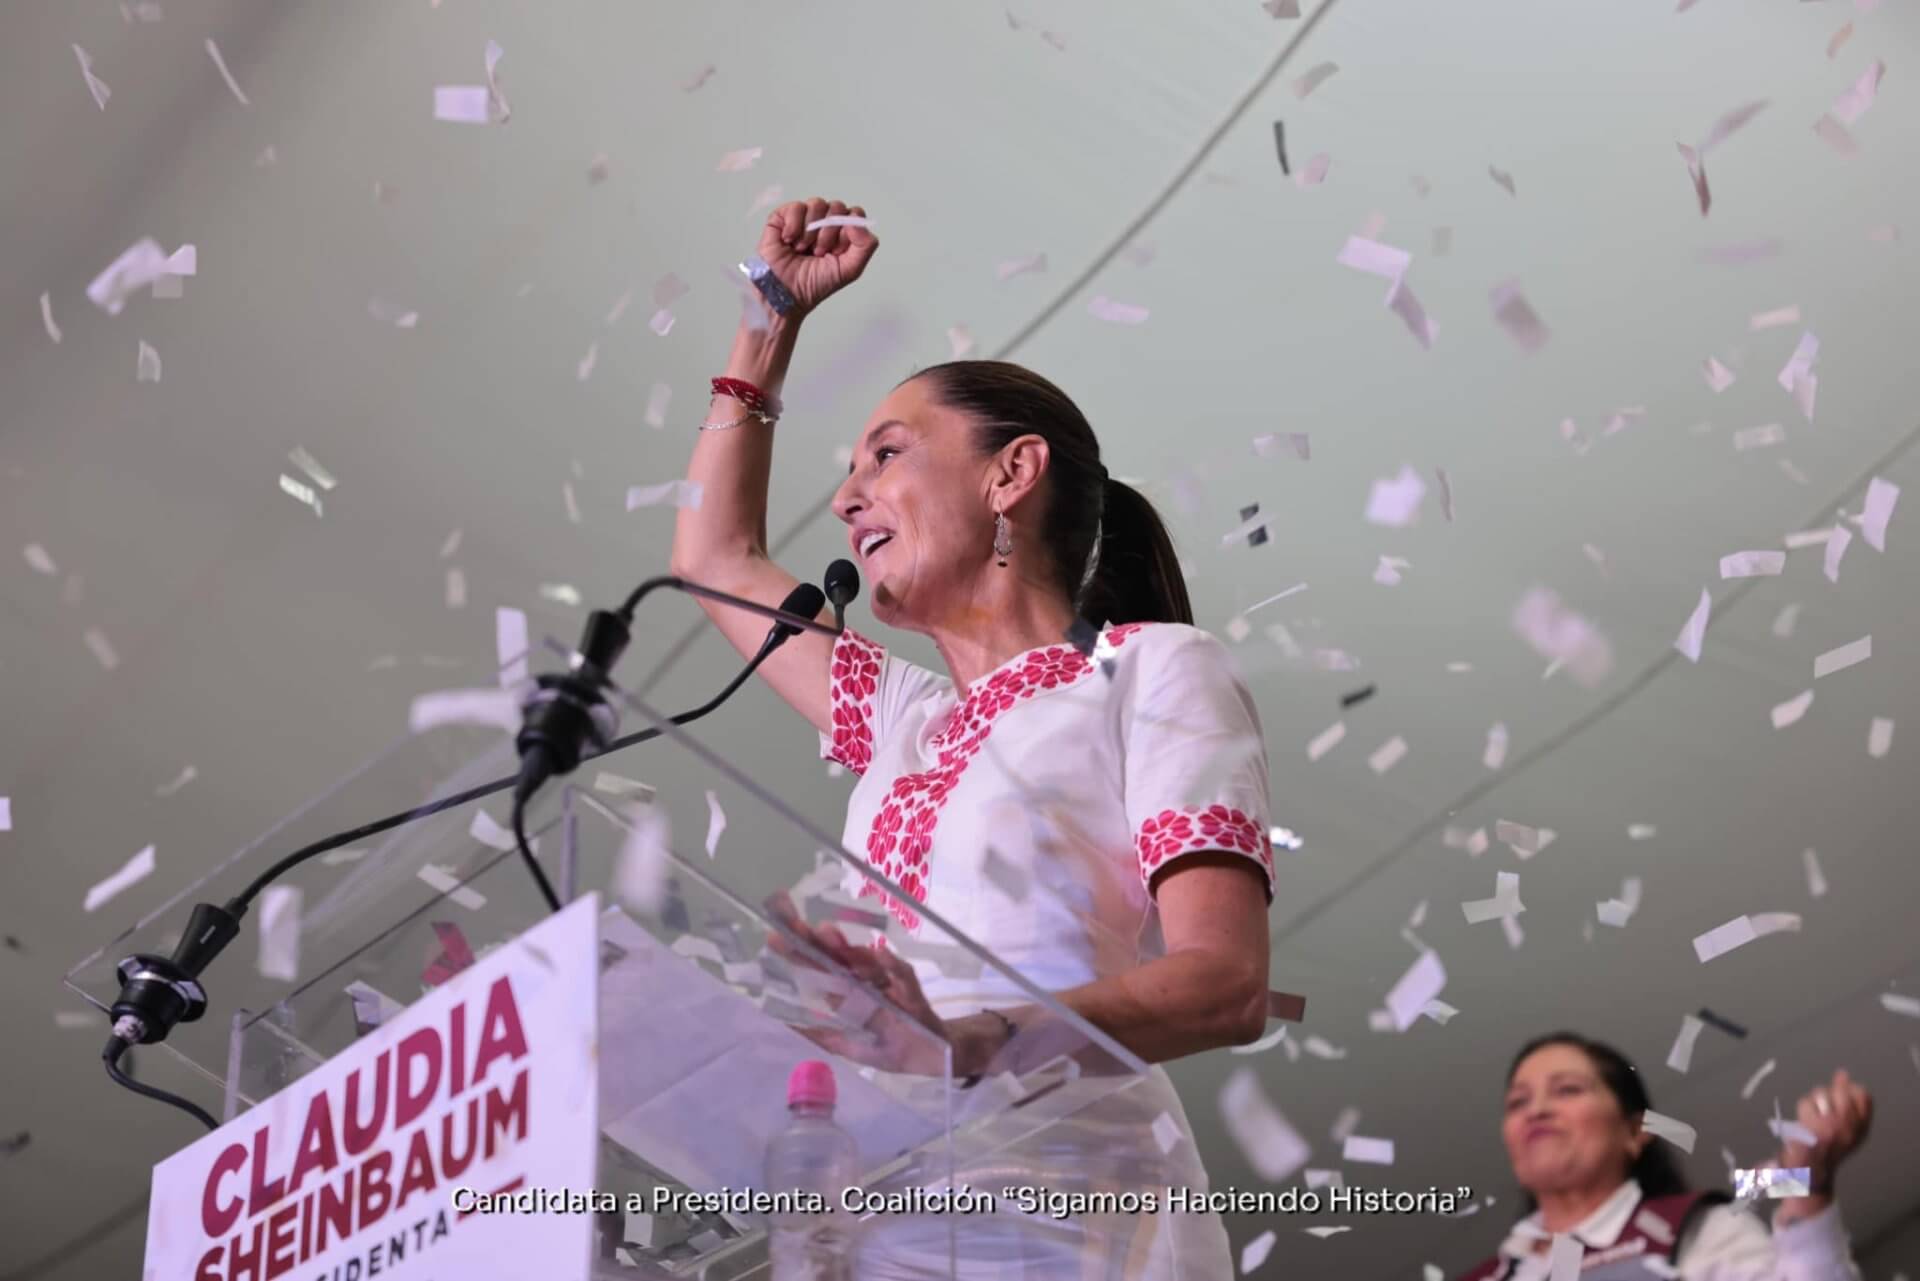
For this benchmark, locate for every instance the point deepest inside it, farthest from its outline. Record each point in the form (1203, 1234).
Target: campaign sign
(488, 1084)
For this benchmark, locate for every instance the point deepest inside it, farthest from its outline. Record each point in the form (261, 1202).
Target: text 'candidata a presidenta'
(1049, 1203)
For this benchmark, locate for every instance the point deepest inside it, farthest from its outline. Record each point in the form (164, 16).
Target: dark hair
(1655, 1170)
(1137, 576)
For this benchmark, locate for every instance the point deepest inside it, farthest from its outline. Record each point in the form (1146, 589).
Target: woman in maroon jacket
(1610, 1204)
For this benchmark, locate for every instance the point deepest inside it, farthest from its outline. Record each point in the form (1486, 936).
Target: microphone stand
(158, 992)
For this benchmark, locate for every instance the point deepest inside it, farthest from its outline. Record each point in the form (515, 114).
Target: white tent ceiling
(1133, 146)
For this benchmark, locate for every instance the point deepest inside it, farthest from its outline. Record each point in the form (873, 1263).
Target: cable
(111, 1057)
(526, 855)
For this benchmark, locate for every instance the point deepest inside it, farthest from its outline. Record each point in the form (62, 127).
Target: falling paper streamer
(137, 869)
(95, 85)
(147, 369)
(1387, 755)
(1514, 314)
(657, 401)
(1680, 1057)
(1843, 657)
(280, 932)
(1756, 564)
(213, 51)
(1504, 178)
(1719, 377)
(102, 648)
(1271, 1146)
(452, 544)
(1852, 104)
(456, 587)
(1321, 1049)
(1395, 501)
(1678, 1133)
(1559, 634)
(497, 708)
(1314, 79)
(1255, 1252)
(1789, 315)
(1835, 135)
(1504, 903)
(1753, 1082)
(1742, 930)
(1118, 313)
(716, 823)
(6, 814)
(1816, 879)
(1696, 169)
(1789, 712)
(510, 645)
(1695, 630)
(1422, 982)
(675, 493)
(46, 317)
(39, 560)
(1881, 497)
(1367, 1151)
(640, 877)
(1496, 754)
(1837, 545)
(1326, 740)
(1894, 1003)
(1446, 493)
(1879, 737)
(1729, 124)
(497, 101)
(584, 370)
(1021, 266)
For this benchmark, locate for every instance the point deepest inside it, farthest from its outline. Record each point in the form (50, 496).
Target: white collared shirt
(1729, 1244)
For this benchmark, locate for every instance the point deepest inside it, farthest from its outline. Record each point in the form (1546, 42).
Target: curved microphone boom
(843, 584)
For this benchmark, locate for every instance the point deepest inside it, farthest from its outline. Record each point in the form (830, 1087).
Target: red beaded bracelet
(747, 394)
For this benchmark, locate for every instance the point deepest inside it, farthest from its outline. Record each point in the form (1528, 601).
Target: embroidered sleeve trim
(1174, 833)
(853, 682)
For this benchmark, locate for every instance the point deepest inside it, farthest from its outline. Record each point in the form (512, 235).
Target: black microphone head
(843, 582)
(805, 601)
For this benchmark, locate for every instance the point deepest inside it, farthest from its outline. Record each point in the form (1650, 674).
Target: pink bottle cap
(811, 1083)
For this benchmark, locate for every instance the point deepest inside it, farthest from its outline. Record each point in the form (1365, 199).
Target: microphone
(567, 711)
(843, 584)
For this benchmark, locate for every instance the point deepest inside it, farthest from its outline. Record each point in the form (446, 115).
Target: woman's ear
(1016, 470)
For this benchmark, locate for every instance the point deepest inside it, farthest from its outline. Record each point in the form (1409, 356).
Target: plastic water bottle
(812, 1155)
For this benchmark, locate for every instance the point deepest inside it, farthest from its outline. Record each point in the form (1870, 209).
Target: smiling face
(917, 508)
(1564, 1129)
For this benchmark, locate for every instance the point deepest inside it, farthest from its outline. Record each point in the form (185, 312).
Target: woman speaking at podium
(1086, 799)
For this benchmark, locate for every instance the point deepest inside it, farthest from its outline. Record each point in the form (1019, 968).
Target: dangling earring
(1002, 538)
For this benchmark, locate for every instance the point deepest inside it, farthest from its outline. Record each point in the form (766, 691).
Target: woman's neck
(1567, 1209)
(1007, 616)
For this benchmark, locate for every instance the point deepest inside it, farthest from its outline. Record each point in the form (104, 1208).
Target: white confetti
(739, 161)
(462, 104)
(1238, 629)
(76, 1020)
(1881, 497)
(6, 814)
(1719, 377)
(1326, 740)
(1314, 79)
(1504, 903)
(1496, 754)
(1680, 1057)
(1837, 545)
(1255, 1252)
(1801, 362)
(1755, 564)
(452, 544)
(1616, 912)
(1641, 831)
(1695, 629)
(1262, 1045)
(716, 823)
(102, 648)
(839, 220)
(1789, 712)
(444, 882)
(1474, 843)
(510, 645)
(1166, 1132)
(456, 587)
(675, 493)
(1395, 501)
(1742, 930)
(147, 368)
(1879, 737)
(1789, 315)
(280, 932)
(960, 341)
(496, 100)
(213, 51)
(1271, 1146)
(640, 877)
(1402, 303)
(1387, 572)
(46, 317)
(393, 314)
(657, 401)
(1446, 493)
(489, 707)
(1314, 172)
(1032, 263)
(1852, 104)
(340, 857)
(1753, 1082)
(584, 370)
(1678, 1133)
(625, 788)
(1784, 621)
(1559, 634)
(1522, 840)
(1320, 1048)
(1367, 1151)
(1514, 314)
(1842, 657)
(1387, 755)
(137, 869)
(39, 560)
(487, 830)
(1422, 982)
(1374, 258)
(1325, 1232)
(1894, 1003)
(1118, 313)
(95, 85)
(315, 472)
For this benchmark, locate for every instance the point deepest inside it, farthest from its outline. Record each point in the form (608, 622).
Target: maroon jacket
(1621, 1260)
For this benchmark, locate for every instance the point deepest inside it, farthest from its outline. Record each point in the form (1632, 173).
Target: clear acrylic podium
(685, 945)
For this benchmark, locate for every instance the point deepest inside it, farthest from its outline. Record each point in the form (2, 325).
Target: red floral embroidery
(902, 832)
(854, 679)
(1174, 832)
